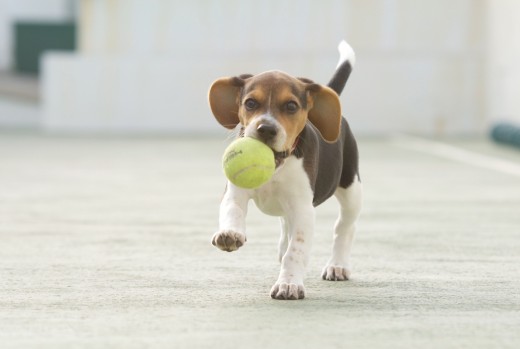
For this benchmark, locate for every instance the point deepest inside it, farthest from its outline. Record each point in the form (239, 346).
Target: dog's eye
(251, 104)
(291, 107)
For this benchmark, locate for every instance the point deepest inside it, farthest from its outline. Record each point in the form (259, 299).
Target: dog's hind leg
(338, 266)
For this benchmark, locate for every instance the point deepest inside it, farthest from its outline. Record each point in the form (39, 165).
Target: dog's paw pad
(287, 291)
(335, 273)
(228, 240)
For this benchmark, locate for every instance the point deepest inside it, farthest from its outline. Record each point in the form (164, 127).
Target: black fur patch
(328, 165)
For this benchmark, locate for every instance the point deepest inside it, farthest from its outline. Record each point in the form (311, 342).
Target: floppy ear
(325, 112)
(223, 100)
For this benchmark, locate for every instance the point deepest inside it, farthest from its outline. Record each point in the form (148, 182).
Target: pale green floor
(106, 243)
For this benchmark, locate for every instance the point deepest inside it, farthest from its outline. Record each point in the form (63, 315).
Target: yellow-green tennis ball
(248, 163)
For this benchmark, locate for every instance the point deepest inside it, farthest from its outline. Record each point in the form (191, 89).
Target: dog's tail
(347, 59)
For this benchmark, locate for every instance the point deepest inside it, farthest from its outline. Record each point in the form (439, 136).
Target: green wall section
(32, 39)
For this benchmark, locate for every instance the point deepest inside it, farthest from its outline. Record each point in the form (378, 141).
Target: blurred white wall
(34, 10)
(146, 65)
(504, 61)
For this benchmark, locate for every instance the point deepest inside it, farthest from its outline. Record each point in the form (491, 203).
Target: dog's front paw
(288, 291)
(335, 272)
(228, 240)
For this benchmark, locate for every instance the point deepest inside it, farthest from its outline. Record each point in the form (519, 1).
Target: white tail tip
(346, 53)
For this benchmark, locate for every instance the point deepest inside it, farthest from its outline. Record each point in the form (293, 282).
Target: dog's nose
(266, 131)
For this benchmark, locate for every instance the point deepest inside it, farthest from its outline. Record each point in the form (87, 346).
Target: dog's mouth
(279, 156)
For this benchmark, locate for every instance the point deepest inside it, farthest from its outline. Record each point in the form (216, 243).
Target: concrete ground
(106, 243)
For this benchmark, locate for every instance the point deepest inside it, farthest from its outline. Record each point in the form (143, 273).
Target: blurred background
(435, 68)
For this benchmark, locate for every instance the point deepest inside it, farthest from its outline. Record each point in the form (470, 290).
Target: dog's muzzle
(266, 133)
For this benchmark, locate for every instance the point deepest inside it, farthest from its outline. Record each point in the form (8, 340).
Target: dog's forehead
(274, 81)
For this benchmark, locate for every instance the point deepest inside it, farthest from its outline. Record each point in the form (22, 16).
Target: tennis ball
(248, 163)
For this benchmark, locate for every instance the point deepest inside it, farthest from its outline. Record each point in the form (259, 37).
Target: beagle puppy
(316, 158)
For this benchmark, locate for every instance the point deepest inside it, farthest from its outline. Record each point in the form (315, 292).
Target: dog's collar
(280, 156)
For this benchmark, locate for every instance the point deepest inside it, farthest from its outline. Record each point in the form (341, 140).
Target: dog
(316, 157)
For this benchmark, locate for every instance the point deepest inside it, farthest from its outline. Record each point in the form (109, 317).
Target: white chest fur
(289, 187)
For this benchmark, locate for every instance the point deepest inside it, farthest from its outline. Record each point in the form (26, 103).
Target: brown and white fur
(316, 156)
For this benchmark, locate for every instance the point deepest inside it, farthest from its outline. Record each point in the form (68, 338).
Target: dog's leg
(338, 267)
(232, 225)
(284, 239)
(300, 225)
